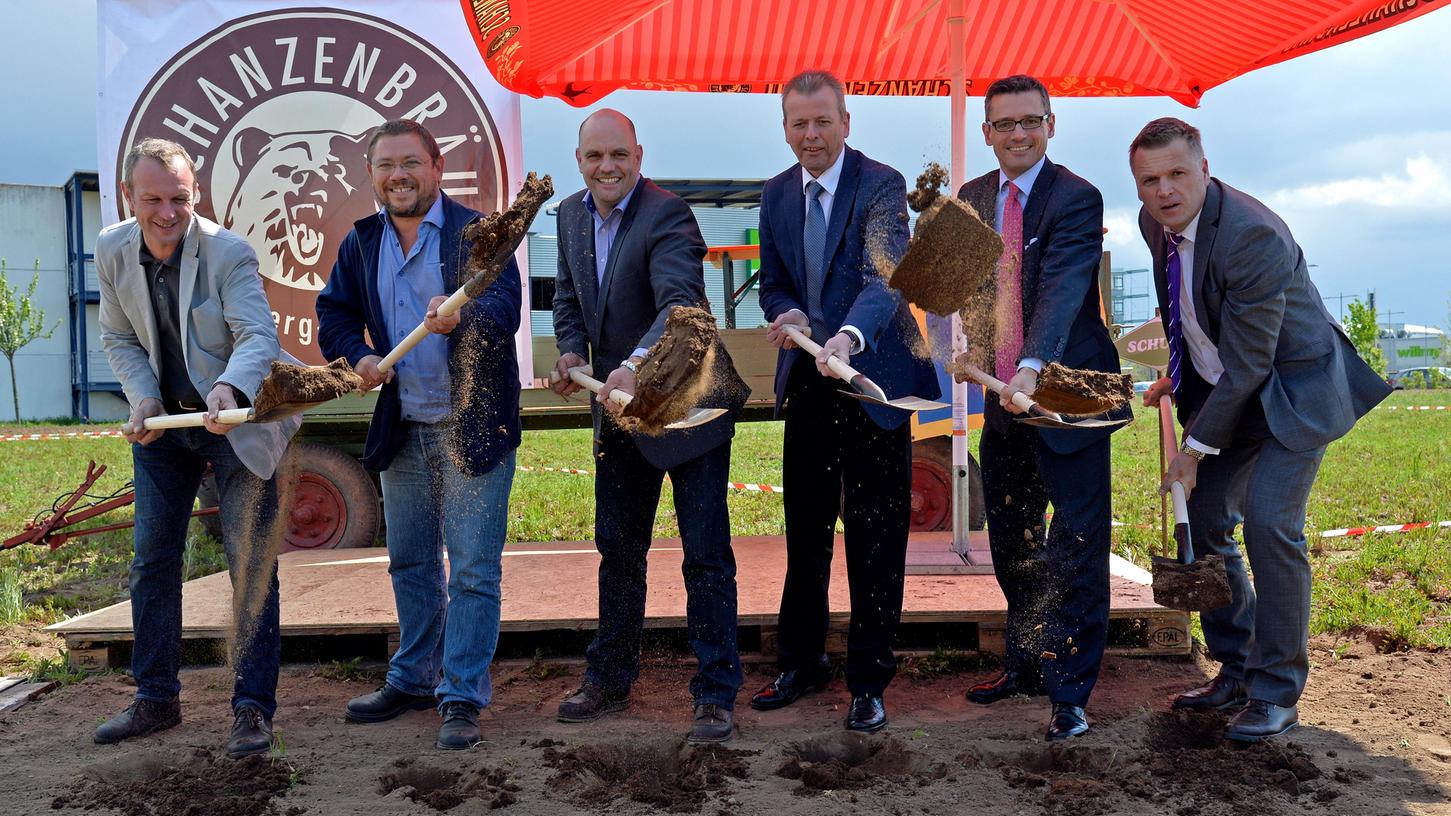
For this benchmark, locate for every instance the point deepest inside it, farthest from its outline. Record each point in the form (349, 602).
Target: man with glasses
(444, 429)
(1047, 311)
(1264, 378)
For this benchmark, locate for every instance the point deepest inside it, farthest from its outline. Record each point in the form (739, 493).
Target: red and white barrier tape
(64, 435)
(1384, 528)
(746, 486)
(1418, 407)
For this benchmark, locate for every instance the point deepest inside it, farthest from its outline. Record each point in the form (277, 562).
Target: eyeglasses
(408, 165)
(1028, 123)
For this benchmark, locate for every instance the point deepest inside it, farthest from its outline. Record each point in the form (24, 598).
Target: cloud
(1425, 185)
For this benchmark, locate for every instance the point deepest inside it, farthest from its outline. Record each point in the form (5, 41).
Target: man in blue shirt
(443, 433)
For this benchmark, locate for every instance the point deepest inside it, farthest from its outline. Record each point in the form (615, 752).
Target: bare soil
(686, 365)
(1200, 586)
(951, 262)
(496, 236)
(1375, 741)
(291, 388)
(1077, 391)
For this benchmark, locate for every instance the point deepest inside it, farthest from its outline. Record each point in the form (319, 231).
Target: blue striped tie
(814, 239)
(1174, 273)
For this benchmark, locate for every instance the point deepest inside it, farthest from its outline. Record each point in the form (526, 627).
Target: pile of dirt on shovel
(1078, 391)
(200, 784)
(686, 368)
(496, 236)
(288, 384)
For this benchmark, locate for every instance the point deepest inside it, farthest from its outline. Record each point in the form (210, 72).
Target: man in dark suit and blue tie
(825, 225)
(1264, 379)
(629, 252)
(1047, 311)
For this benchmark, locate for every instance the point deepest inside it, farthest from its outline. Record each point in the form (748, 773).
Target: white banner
(276, 101)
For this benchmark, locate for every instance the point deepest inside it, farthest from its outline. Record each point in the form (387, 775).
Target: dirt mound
(495, 237)
(200, 784)
(672, 776)
(1076, 391)
(851, 761)
(443, 789)
(290, 388)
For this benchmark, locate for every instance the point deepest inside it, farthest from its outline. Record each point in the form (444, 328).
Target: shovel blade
(1082, 424)
(1197, 587)
(696, 417)
(901, 403)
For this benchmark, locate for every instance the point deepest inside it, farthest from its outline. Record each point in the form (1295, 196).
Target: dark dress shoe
(1259, 720)
(1006, 685)
(788, 687)
(251, 733)
(713, 724)
(867, 714)
(590, 702)
(140, 718)
(1068, 721)
(385, 704)
(1221, 692)
(460, 729)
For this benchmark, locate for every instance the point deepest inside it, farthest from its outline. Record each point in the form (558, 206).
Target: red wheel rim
(931, 496)
(318, 515)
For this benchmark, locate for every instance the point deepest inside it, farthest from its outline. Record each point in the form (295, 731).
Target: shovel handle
(838, 366)
(231, 416)
(995, 385)
(581, 376)
(453, 304)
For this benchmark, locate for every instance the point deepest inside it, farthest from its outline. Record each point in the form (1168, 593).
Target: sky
(1351, 146)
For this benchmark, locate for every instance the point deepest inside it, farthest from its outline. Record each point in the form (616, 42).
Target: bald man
(628, 253)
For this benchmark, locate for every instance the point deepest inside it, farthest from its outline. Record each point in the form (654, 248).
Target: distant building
(1133, 296)
(1407, 345)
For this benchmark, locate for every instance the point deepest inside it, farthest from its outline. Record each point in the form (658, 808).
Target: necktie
(1174, 274)
(1010, 289)
(814, 239)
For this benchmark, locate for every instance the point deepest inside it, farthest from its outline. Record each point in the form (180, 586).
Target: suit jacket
(1063, 245)
(1279, 345)
(482, 364)
(227, 328)
(868, 215)
(655, 263)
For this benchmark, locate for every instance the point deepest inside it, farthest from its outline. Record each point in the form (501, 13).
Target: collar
(829, 179)
(434, 215)
(173, 261)
(1193, 228)
(1025, 182)
(589, 202)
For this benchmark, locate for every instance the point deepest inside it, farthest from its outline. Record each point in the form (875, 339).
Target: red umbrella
(582, 50)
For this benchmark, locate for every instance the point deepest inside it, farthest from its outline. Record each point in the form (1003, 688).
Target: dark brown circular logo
(277, 108)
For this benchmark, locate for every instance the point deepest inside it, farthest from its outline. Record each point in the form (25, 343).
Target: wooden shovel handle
(453, 304)
(581, 376)
(231, 416)
(838, 366)
(995, 385)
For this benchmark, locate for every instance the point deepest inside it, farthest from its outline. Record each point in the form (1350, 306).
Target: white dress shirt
(829, 181)
(1201, 349)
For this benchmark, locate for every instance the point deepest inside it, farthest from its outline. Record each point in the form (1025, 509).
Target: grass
(1394, 467)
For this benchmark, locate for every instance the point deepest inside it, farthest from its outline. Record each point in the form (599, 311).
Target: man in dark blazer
(825, 225)
(630, 252)
(1047, 311)
(444, 429)
(1264, 379)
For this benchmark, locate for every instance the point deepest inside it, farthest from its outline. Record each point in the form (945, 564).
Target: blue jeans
(167, 475)
(430, 507)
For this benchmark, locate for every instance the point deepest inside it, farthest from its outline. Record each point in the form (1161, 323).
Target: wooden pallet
(550, 588)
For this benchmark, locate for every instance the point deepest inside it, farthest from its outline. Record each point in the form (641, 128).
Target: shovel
(1187, 584)
(1038, 415)
(581, 376)
(865, 390)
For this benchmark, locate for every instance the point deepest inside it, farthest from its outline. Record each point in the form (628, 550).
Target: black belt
(178, 407)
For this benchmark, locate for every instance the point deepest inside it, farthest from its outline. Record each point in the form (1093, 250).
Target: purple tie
(1174, 274)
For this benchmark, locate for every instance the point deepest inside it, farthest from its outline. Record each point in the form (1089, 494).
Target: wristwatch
(633, 367)
(1192, 453)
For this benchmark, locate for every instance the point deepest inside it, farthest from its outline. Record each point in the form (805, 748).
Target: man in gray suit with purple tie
(1264, 379)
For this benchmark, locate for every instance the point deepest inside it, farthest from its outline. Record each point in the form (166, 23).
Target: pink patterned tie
(1010, 289)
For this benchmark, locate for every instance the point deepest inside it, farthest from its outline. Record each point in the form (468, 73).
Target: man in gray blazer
(1264, 379)
(186, 328)
(629, 252)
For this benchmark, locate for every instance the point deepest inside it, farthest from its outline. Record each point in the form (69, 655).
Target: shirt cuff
(1031, 362)
(640, 352)
(1200, 446)
(858, 342)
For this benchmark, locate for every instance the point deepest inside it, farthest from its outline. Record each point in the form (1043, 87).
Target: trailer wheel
(932, 487)
(334, 503)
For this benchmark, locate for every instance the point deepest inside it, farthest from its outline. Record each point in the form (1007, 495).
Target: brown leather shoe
(1221, 692)
(590, 702)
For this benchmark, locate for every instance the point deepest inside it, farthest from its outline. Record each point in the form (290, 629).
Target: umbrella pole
(961, 490)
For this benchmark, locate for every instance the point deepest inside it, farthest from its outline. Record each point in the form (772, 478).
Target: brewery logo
(276, 109)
